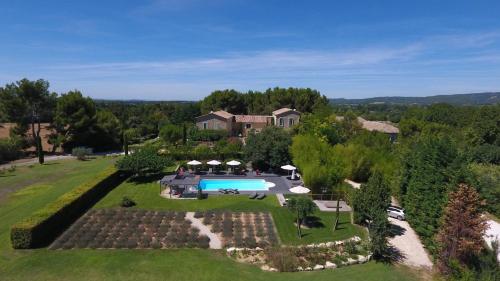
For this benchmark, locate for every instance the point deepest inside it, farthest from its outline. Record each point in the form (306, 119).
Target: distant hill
(458, 99)
(139, 101)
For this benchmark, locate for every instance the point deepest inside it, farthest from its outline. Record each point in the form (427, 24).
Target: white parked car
(396, 212)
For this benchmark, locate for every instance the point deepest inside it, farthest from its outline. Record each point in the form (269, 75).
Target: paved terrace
(282, 183)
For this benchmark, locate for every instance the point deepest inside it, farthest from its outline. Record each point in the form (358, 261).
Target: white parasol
(194, 163)
(233, 163)
(300, 189)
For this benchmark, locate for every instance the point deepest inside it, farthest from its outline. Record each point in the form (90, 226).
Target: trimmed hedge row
(47, 223)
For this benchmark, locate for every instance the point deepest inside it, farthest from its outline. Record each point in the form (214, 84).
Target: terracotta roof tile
(223, 114)
(281, 110)
(252, 118)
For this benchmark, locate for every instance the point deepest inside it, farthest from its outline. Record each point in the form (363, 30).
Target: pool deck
(282, 183)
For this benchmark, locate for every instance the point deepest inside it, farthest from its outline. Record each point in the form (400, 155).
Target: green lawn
(50, 173)
(146, 196)
(185, 264)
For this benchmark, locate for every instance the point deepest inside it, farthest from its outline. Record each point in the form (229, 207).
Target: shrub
(283, 259)
(10, 149)
(350, 247)
(127, 202)
(144, 162)
(206, 135)
(46, 224)
(81, 153)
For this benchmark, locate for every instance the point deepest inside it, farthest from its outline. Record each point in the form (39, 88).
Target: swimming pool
(240, 184)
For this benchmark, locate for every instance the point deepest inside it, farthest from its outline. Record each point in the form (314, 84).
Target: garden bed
(122, 228)
(305, 258)
(241, 229)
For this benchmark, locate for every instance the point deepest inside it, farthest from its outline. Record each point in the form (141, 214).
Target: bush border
(46, 224)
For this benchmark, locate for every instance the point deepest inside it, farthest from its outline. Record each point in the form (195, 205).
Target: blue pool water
(242, 185)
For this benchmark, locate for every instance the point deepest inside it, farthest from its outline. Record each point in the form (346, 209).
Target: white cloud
(427, 65)
(273, 60)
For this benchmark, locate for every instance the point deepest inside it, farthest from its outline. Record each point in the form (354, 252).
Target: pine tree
(460, 237)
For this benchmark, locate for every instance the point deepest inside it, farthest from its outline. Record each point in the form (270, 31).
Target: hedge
(207, 135)
(41, 228)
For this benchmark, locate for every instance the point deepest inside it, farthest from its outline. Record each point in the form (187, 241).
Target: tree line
(254, 102)
(444, 162)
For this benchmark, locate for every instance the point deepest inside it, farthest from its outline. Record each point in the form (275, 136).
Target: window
(205, 125)
(291, 121)
(282, 122)
(248, 125)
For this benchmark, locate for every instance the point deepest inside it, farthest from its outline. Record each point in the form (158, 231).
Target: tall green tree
(302, 207)
(372, 197)
(322, 168)
(76, 118)
(108, 131)
(172, 134)
(431, 167)
(268, 149)
(379, 231)
(370, 205)
(29, 103)
(228, 100)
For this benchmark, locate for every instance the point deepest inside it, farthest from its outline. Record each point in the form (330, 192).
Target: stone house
(238, 125)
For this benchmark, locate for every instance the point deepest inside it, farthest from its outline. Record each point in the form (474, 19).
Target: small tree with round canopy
(302, 206)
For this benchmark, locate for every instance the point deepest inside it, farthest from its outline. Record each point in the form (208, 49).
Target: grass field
(146, 196)
(52, 172)
(50, 181)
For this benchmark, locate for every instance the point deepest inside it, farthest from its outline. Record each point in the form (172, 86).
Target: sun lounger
(235, 191)
(253, 195)
(261, 196)
(223, 191)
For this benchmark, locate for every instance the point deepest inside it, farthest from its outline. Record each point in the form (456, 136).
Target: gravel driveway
(409, 245)
(493, 233)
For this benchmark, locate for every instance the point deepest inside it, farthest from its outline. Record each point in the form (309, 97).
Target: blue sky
(184, 49)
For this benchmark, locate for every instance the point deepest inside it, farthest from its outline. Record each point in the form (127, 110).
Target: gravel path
(215, 242)
(493, 233)
(409, 245)
(30, 161)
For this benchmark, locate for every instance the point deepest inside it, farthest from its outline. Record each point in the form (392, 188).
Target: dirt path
(409, 245)
(215, 242)
(29, 161)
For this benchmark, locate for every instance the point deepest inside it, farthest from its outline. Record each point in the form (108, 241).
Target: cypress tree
(39, 149)
(430, 170)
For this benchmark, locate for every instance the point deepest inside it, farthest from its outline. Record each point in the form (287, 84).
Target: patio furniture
(233, 164)
(261, 196)
(213, 163)
(194, 163)
(253, 195)
(289, 168)
(223, 191)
